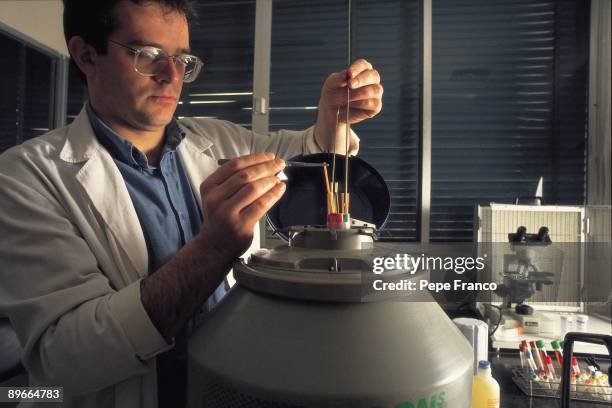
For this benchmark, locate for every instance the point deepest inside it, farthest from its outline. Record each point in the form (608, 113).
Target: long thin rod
(333, 175)
(348, 123)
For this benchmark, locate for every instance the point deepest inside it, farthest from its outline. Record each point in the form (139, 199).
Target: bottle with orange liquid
(485, 389)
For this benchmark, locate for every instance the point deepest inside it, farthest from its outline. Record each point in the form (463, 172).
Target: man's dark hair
(94, 20)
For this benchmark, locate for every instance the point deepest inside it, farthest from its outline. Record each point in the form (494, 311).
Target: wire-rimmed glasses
(152, 61)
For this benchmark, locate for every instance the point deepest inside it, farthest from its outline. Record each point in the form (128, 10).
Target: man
(120, 228)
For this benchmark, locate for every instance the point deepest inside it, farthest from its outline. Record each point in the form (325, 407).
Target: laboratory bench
(504, 361)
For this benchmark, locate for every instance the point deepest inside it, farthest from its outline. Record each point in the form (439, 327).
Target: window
(509, 106)
(309, 41)
(26, 100)
(77, 93)
(223, 37)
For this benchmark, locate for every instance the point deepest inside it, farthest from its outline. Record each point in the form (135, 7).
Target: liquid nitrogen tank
(302, 329)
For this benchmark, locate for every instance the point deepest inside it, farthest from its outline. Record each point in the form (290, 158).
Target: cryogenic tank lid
(304, 201)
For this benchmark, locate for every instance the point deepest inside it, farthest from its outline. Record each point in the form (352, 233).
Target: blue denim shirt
(170, 216)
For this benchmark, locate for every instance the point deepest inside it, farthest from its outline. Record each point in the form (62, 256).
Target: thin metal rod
(346, 156)
(288, 163)
(348, 98)
(335, 147)
(333, 175)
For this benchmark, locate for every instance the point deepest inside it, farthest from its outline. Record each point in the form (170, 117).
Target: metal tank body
(295, 332)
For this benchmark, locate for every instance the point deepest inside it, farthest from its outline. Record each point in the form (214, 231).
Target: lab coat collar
(81, 142)
(197, 158)
(106, 188)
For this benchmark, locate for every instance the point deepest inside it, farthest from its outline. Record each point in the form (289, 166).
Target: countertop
(596, 325)
(511, 396)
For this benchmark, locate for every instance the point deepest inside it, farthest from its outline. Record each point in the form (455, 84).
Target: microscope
(523, 277)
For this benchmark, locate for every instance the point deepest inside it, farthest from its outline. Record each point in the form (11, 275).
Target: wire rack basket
(579, 392)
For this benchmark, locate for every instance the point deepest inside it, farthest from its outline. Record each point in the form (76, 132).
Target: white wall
(40, 20)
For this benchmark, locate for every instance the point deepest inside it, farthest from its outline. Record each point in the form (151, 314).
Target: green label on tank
(435, 401)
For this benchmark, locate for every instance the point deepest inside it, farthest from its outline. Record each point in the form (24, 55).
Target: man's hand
(235, 197)
(365, 91)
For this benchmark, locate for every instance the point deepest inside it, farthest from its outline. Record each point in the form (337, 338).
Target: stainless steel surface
(287, 335)
(317, 354)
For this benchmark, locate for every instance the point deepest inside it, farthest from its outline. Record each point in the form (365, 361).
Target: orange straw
(330, 203)
(327, 187)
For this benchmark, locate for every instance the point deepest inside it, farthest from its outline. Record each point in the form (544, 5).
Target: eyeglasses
(152, 61)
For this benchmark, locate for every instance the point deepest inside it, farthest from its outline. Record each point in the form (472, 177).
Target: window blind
(39, 87)
(26, 97)
(77, 93)
(509, 106)
(309, 42)
(10, 115)
(223, 37)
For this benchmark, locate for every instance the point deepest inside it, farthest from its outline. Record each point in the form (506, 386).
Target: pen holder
(568, 346)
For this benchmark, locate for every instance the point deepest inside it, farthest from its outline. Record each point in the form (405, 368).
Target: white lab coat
(72, 254)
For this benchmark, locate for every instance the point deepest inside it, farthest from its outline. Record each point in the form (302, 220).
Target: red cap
(574, 361)
(548, 360)
(334, 218)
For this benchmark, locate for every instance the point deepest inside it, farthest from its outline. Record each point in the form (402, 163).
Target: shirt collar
(122, 149)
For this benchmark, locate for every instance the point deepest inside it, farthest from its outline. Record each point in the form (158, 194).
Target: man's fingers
(233, 166)
(360, 73)
(357, 115)
(338, 96)
(364, 78)
(358, 67)
(249, 175)
(262, 205)
(371, 105)
(374, 91)
(251, 192)
(336, 80)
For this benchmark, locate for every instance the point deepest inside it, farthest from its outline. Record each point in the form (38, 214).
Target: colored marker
(530, 362)
(538, 358)
(542, 350)
(575, 367)
(525, 345)
(549, 365)
(558, 352)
